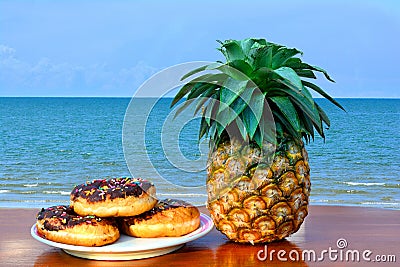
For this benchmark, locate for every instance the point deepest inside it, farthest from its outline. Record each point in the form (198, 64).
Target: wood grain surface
(376, 230)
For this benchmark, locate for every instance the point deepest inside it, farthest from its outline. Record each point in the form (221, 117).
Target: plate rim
(206, 225)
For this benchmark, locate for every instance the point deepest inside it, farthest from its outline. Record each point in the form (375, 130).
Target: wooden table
(377, 230)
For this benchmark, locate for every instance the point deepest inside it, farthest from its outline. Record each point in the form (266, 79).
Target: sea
(50, 144)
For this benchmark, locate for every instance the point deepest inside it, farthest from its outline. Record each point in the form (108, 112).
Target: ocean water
(49, 145)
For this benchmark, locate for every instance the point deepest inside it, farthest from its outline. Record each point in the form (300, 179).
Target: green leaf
(289, 78)
(323, 93)
(302, 102)
(225, 117)
(319, 129)
(231, 91)
(251, 115)
(251, 51)
(184, 90)
(323, 71)
(248, 119)
(218, 78)
(189, 86)
(205, 97)
(210, 110)
(199, 89)
(213, 131)
(246, 45)
(231, 71)
(305, 73)
(227, 114)
(303, 65)
(297, 64)
(275, 47)
(220, 128)
(317, 122)
(263, 57)
(260, 41)
(278, 73)
(323, 115)
(190, 73)
(308, 95)
(240, 126)
(293, 63)
(283, 55)
(288, 127)
(200, 104)
(261, 75)
(286, 107)
(243, 100)
(241, 66)
(258, 138)
(267, 126)
(203, 128)
(232, 50)
(182, 108)
(306, 124)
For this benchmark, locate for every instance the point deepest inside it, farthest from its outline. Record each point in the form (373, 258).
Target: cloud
(6, 51)
(48, 78)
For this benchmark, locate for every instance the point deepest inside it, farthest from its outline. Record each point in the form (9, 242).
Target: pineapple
(258, 112)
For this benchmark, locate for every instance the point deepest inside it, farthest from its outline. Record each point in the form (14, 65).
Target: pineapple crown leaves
(257, 79)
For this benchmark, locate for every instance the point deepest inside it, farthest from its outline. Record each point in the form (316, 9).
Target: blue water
(48, 145)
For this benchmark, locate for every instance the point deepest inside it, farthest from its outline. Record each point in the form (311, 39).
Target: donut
(61, 224)
(114, 197)
(170, 217)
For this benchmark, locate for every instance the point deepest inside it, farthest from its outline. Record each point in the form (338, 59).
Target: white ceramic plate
(131, 248)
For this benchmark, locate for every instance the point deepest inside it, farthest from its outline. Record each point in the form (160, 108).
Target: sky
(109, 48)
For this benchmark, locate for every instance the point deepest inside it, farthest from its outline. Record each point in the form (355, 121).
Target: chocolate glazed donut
(61, 224)
(169, 217)
(114, 197)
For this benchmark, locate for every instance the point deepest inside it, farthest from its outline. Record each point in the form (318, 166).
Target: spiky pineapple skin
(258, 195)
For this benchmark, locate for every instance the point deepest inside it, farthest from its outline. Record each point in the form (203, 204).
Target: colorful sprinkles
(100, 190)
(62, 216)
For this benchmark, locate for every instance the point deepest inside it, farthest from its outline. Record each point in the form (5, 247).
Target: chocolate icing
(98, 190)
(63, 217)
(161, 206)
